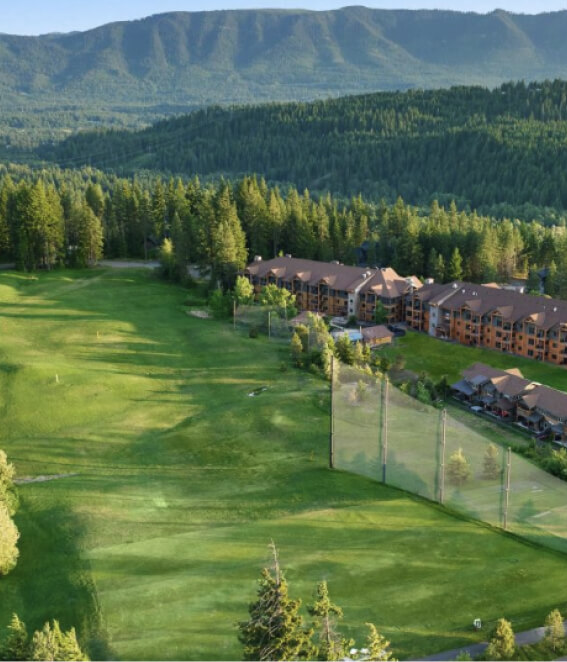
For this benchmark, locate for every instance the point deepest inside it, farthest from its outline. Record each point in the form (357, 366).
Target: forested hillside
(126, 73)
(500, 151)
(58, 218)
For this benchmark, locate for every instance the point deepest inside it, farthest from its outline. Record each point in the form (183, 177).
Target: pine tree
(16, 646)
(51, 643)
(554, 630)
(455, 266)
(275, 629)
(490, 465)
(8, 541)
(88, 235)
(502, 644)
(167, 259)
(345, 349)
(458, 468)
(377, 646)
(331, 645)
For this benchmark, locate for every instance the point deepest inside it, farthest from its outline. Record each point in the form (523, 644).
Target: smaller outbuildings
(374, 336)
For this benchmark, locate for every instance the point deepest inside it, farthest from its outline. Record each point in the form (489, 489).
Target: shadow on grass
(64, 590)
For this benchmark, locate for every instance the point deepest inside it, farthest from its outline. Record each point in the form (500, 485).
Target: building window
(530, 352)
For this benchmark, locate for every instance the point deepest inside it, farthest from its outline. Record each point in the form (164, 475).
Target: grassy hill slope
(176, 480)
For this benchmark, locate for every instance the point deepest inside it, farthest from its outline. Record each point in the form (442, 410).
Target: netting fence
(271, 321)
(274, 322)
(380, 432)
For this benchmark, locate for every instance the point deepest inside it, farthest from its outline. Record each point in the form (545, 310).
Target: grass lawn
(177, 480)
(438, 358)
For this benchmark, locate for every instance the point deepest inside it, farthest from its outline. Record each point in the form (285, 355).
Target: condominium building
(508, 395)
(492, 317)
(335, 289)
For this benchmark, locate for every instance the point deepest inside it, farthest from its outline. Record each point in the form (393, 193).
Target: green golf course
(168, 481)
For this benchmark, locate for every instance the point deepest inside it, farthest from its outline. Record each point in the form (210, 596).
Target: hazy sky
(41, 16)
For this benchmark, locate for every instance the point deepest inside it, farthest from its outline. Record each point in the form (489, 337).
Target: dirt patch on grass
(41, 479)
(201, 314)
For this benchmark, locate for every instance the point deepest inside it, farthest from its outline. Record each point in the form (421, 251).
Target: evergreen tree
(377, 646)
(458, 468)
(275, 628)
(344, 349)
(502, 645)
(88, 228)
(490, 465)
(51, 643)
(229, 242)
(8, 541)
(554, 630)
(330, 644)
(167, 259)
(16, 646)
(533, 284)
(455, 266)
(94, 198)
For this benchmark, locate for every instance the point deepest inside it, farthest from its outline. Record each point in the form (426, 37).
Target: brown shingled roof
(337, 276)
(548, 399)
(489, 372)
(513, 306)
(376, 332)
(384, 282)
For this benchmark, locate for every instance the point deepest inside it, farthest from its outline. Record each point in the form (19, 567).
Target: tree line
(74, 217)
(498, 151)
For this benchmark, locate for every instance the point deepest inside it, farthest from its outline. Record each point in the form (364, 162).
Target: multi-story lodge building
(481, 315)
(331, 288)
(506, 394)
(492, 317)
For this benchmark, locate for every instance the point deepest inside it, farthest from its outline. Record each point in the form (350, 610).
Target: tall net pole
(507, 488)
(442, 459)
(332, 416)
(385, 430)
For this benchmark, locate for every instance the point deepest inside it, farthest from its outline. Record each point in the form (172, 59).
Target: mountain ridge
(234, 56)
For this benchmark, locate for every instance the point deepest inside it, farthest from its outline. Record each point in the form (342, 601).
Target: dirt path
(527, 637)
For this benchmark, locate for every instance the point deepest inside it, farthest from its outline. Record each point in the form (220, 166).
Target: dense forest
(56, 217)
(499, 151)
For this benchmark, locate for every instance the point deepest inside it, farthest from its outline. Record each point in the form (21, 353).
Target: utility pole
(507, 488)
(442, 466)
(269, 323)
(332, 417)
(385, 430)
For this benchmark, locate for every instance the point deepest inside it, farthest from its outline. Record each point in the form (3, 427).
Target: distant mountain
(193, 59)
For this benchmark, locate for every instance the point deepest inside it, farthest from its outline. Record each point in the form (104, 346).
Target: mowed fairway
(178, 481)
